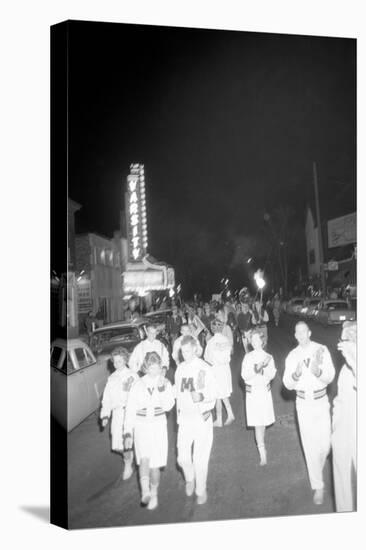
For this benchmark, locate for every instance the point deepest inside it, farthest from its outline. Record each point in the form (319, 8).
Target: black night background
(227, 124)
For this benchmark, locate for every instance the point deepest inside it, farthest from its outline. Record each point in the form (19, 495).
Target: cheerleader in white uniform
(114, 404)
(258, 369)
(145, 422)
(217, 354)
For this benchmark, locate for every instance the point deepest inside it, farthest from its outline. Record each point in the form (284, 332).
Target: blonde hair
(151, 358)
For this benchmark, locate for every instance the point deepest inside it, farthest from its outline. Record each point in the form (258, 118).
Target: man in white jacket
(151, 343)
(196, 394)
(308, 371)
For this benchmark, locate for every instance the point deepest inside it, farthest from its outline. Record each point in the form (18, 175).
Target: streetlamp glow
(261, 283)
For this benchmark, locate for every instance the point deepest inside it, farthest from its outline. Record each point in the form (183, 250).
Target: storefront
(341, 276)
(146, 280)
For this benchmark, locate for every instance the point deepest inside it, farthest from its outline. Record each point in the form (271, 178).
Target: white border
(25, 280)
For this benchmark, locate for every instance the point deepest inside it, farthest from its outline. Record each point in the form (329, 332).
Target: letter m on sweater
(187, 384)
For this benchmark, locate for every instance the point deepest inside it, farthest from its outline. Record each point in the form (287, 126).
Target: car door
(77, 389)
(96, 373)
(59, 385)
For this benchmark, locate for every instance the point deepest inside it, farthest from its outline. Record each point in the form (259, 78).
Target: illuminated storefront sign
(137, 281)
(85, 302)
(342, 231)
(136, 213)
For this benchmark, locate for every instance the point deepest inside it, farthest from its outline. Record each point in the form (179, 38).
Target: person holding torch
(259, 314)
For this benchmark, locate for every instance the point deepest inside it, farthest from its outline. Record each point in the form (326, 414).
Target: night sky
(227, 125)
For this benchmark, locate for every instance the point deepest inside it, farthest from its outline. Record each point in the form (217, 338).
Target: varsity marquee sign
(136, 213)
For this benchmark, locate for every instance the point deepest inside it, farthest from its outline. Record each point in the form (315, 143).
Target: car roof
(159, 312)
(71, 343)
(121, 324)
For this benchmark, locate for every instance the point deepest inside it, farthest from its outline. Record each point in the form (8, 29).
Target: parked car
(122, 333)
(334, 312)
(309, 307)
(160, 320)
(159, 317)
(294, 306)
(353, 305)
(77, 381)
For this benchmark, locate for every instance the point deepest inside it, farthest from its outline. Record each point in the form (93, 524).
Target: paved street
(237, 486)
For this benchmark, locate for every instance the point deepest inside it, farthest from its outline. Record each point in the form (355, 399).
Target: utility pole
(320, 237)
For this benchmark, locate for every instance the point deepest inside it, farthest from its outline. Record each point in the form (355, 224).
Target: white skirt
(259, 406)
(151, 441)
(222, 374)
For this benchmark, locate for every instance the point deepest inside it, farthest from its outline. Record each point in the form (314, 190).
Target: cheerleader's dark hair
(123, 352)
(151, 358)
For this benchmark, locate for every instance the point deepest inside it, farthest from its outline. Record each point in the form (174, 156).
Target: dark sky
(226, 123)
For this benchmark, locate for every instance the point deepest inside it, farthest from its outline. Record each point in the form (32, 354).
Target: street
(237, 486)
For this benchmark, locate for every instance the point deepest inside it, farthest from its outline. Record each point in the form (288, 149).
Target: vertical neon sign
(136, 213)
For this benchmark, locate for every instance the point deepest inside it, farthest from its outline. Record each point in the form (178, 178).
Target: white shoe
(145, 499)
(153, 502)
(128, 471)
(263, 455)
(318, 496)
(189, 488)
(202, 499)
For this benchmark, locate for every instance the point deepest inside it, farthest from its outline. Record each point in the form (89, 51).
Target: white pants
(199, 433)
(314, 424)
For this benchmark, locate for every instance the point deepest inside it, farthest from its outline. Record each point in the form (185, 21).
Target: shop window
(109, 257)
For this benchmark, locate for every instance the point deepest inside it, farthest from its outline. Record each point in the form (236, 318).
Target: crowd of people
(202, 337)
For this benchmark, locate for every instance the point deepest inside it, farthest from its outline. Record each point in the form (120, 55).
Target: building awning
(145, 276)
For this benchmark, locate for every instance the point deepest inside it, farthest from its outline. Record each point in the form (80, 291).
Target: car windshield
(336, 305)
(117, 334)
(314, 302)
(158, 318)
(83, 357)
